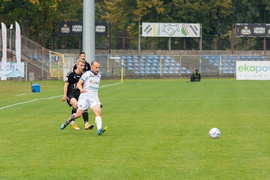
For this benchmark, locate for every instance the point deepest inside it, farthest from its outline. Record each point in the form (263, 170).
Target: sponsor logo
(245, 31)
(65, 29)
(256, 69)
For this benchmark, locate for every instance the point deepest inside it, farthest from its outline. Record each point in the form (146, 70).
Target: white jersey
(91, 82)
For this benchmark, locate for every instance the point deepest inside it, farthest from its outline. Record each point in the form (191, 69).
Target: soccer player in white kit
(88, 85)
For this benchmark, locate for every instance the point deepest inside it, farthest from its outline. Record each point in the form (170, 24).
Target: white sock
(72, 122)
(98, 123)
(86, 123)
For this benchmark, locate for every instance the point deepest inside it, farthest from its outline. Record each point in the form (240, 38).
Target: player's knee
(78, 113)
(98, 112)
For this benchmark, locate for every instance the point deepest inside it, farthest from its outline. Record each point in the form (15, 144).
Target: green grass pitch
(157, 129)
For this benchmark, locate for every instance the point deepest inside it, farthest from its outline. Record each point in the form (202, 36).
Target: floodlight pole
(89, 29)
(139, 39)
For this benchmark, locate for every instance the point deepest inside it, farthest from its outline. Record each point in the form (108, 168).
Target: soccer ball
(214, 133)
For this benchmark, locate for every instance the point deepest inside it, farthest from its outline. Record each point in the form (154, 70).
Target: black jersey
(86, 66)
(72, 78)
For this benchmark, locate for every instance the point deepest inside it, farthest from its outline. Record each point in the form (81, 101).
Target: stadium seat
(248, 57)
(129, 60)
(155, 57)
(210, 61)
(136, 64)
(136, 57)
(230, 57)
(165, 68)
(141, 68)
(172, 64)
(149, 57)
(225, 71)
(166, 64)
(147, 68)
(154, 64)
(224, 57)
(116, 60)
(188, 71)
(136, 72)
(167, 60)
(225, 68)
(255, 57)
(171, 68)
(170, 72)
(242, 57)
(228, 61)
(261, 57)
(141, 71)
(177, 64)
(136, 68)
(123, 56)
(135, 60)
(149, 60)
(233, 61)
(128, 56)
(205, 57)
(183, 68)
(142, 64)
(167, 57)
(231, 64)
(183, 72)
(153, 68)
(147, 72)
(236, 57)
(216, 60)
(147, 64)
(153, 72)
(172, 61)
(141, 60)
(164, 72)
(225, 64)
(176, 72)
(130, 68)
(177, 68)
(143, 57)
(155, 61)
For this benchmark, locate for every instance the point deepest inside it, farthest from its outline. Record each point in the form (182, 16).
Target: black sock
(85, 116)
(73, 110)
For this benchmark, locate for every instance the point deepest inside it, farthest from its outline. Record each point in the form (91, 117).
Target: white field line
(47, 98)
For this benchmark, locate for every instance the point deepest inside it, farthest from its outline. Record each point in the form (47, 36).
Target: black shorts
(70, 96)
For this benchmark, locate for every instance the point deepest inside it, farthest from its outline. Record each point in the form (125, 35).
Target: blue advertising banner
(11, 70)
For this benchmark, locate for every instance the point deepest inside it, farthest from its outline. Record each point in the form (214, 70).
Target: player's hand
(83, 91)
(64, 98)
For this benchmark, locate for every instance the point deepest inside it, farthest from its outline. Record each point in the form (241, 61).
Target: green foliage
(157, 129)
(216, 16)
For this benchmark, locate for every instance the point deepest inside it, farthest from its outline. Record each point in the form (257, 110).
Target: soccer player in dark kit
(72, 93)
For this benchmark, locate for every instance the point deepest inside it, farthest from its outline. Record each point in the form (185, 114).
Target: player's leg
(82, 104)
(97, 111)
(85, 118)
(73, 102)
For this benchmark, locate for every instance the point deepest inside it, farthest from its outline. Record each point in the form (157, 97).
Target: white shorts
(87, 100)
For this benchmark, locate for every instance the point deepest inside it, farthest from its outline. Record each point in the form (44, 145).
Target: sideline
(48, 97)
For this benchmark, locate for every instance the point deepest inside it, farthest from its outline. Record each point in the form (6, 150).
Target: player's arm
(65, 91)
(80, 86)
